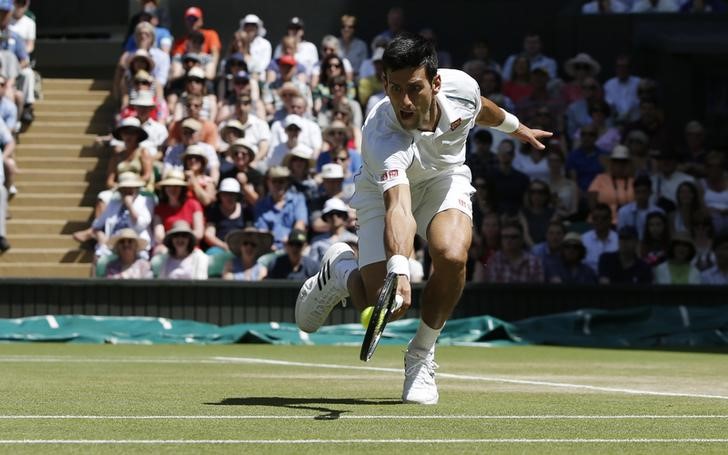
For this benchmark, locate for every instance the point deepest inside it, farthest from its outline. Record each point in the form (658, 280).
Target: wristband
(510, 123)
(399, 265)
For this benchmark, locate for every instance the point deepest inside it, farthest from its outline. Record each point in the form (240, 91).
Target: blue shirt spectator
(15, 44)
(585, 162)
(282, 209)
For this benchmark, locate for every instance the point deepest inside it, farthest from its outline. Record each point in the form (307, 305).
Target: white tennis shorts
(451, 190)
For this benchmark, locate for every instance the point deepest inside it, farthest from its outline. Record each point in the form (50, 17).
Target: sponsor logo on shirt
(454, 125)
(389, 175)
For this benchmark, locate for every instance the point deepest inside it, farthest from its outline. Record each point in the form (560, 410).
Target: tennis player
(413, 180)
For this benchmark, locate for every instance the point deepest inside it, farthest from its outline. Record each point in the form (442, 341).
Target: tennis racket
(386, 304)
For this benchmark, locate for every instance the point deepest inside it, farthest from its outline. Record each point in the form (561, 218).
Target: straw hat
(331, 171)
(263, 240)
(278, 172)
(300, 151)
(195, 150)
(173, 177)
(180, 227)
(232, 124)
(582, 58)
(192, 124)
(143, 75)
(685, 239)
(127, 233)
(246, 144)
(130, 124)
(129, 180)
(142, 54)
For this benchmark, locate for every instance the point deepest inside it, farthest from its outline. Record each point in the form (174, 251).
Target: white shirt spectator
(306, 55)
(256, 130)
(539, 61)
(622, 96)
(714, 276)
(161, 65)
(25, 27)
(157, 134)
(260, 55)
(666, 187)
(115, 217)
(660, 6)
(310, 135)
(173, 157)
(356, 53)
(535, 171)
(631, 215)
(595, 247)
(593, 7)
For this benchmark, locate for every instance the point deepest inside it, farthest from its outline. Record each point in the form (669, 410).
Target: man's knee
(449, 258)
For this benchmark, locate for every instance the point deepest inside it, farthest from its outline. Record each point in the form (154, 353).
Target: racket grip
(398, 302)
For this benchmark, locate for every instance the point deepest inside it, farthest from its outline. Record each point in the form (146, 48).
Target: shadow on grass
(305, 404)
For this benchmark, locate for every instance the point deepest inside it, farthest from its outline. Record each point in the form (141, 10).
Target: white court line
(366, 441)
(361, 417)
(478, 378)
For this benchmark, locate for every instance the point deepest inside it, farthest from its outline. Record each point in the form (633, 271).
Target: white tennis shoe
(419, 377)
(323, 291)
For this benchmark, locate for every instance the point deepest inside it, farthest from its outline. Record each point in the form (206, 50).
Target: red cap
(194, 11)
(287, 60)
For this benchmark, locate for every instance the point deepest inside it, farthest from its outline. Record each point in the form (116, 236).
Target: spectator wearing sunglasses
(330, 47)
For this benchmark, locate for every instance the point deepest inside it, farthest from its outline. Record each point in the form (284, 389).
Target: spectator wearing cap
(256, 130)
(130, 210)
(128, 264)
(182, 260)
(332, 186)
(191, 136)
(330, 48)
(247, 245)
(718, 274)
(287, 62)
(577, 113)
(175, 203)
(513, 264)
(282, 209)
(564, 190)
(536, 59)
(306, 52)
(259, 48)
(224, 216)
(620, 91)
(8, 109)
(615, 187)
(667, 179)
(272, 95)
(695, 150)
(337, 140)
(156, 16)
(193, 110)
(194, 22)
(371, 88)
(568, 266)
(604, 7)
(624, 266)
(352, 48)
(144, 105)
(196, 85)
(635, 212)
(336, 215)
(294, 125)
(294, 264)
(584, 163)
(715, 189)
(678, 268)
(638, 144)
(601, 238)
(655, 6)
(508, 183)
(238, 166)
(300, 162)
(656, 239)
(14, 43)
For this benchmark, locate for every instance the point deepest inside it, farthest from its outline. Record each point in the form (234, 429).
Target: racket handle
(398, 302)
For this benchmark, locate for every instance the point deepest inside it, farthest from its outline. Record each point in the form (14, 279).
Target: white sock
(425, 337)
(344, 269)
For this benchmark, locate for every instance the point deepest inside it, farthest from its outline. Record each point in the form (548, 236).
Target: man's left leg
(449, 235)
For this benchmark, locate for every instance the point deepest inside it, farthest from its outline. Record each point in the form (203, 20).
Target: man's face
(241, 157)
(532, 45)
(554, 236)
(602, 220)
(622, 68)
(189, 136)
(332, 187)
(511, 239)
(505, 154)
(412, 95)
(642, 194)
(298, 106)
(250, 30)
(193, 22)
(296, 32)
(347, 29)
(194, 108)
(588, 136)
(292, 132)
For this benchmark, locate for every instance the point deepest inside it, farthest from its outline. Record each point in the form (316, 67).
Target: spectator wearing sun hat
(194, 22)
(128, 264)
(300, 162)
(132, 154)
(678, 268)
(282, 209)
(294, 264)
(615, 186)
(229, 131)
(260, 48)
(224, 216)
(568, 267)
(175, 203)
(336, 215)
(578, 68)
(241, 154)
(331, 185)
(183, 260)
(247, 245)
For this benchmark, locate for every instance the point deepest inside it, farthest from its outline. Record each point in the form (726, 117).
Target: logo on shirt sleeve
(454, 125)
(389, 175)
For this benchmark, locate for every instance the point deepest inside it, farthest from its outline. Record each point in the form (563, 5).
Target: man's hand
(128, 200)
(405, 290)
(529, 136)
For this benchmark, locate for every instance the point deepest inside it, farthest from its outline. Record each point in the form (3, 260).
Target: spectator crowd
(238, 160)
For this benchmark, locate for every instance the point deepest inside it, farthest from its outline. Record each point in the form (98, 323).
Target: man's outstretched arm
(493, 116)
(399, 236)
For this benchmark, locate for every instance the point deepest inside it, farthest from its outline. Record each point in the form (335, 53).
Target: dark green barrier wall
(221, 302)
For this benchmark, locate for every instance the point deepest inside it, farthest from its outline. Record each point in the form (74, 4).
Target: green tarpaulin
(653, 326)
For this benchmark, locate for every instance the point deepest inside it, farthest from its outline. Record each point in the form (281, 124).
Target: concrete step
(55, 255)
(75, 115)
(72, 94)
(61, 175)
(56, 199)
(59, 162)
(62, 150)
(43, 241)
(44, 270)
(61, 186)
(49, 105)
(38, 137)
(77, 84)
(44, 212)
(44, 227)
(73, 127)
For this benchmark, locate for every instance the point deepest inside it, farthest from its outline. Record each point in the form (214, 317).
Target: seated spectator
(536, 213)
(300, 162)
(532, 51)
(577, 113)
(183, 64)
(224, 216)
(294, 265)
(206, 103)
(129, 210)
(695, 150)
(234, 67)
(718, 274)
(336, 96)
(485, 244)
(194, 22)
(343, 111)
(247, 245)
(551, 247)
(620, 91)
(277, 66)
(332, 186)
(191, 138)
(154, 15)
(259, 50)
(584, 163)
(481, 158)
(509, 184)
(336, 141)
(614, 187)
(483, 201)
(603, 7)
(144, 105)
(228, 100)
(306, 51)
(703, 234)
(532, 162)
(703, 6)
(635, 212)
(601, 239)
(651, 121)
(282, 209)
(541, 95)
(146, 58)
(294, 125)
(638, 144)
(579, 68)
(564, 190)
(352, 48)
(330, 48)
(273, 95)
(182, 261)
(678, 268)
(568, 266)
(255, 130)
(655, 6)
(624, 266)
(309, 134)
(132, 156)
(518, 87)
(176, 203)
(129, 264)
(513, 264)
(491, 87)
(8, 109)
(715, 188)
(336, 215)
(607, 136)
(689, 205)
(656, 239)
(229, 131)
(238, 166)
(202, 186)
(208, 130)
(667, 179)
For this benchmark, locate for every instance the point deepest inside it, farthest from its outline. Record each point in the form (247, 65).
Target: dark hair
(650, 243)
(483, 135)
(720, 239)
(602, 207)
(642, 181)
(170, 246)
(164, 199)
(325, 63)
(600, 106)
(407, 50)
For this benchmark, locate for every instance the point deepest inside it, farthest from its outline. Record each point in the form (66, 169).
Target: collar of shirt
(448, 115)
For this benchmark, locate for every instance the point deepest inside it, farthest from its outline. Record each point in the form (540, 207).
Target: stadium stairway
(61, 171)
